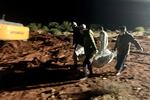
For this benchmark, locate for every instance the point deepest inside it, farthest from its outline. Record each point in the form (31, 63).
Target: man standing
(77, 40)
(89, 49)
(123, 43)
(77, 36)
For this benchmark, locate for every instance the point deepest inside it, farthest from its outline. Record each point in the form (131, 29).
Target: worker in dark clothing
(77, 40)
(77, 36)
(122, 45)
(89, 48)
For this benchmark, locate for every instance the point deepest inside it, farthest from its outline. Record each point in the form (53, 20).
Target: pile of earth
(39, 69)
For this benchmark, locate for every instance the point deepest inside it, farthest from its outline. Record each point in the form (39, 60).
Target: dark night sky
(131, 13)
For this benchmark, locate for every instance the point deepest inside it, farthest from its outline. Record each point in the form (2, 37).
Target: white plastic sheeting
(100, 58)
(103, 58)
(80, 53)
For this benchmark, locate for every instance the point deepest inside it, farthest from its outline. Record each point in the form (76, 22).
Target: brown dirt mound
(39, 47)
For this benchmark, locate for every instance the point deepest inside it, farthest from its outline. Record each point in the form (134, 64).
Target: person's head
(74, 24)
(101, 28)
(122, 30)
(82, 26)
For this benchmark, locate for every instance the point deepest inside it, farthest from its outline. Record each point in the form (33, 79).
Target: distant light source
(136, 0)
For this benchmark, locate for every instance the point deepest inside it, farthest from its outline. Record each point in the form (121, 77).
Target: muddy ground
(41, 69)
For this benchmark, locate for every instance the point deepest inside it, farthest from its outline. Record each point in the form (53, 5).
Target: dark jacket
(77, 36)
(123, 43)
(89, 43)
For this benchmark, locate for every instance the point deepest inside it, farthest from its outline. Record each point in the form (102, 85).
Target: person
(103, 40)
(77, 40)
(122, 46)
(77, 36)
(89, 48)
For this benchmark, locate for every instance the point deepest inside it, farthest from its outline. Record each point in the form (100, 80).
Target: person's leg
(75, 60)
(123, 58)
(120, 63)
(90, 66)
(117, 67)
(85, 67)
(125, 66)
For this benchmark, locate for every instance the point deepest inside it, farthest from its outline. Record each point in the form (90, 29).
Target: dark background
(109, 13)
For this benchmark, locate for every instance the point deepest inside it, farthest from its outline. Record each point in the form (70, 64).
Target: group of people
(85, 37)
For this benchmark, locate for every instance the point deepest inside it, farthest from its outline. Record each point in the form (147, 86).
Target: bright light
(136, 0)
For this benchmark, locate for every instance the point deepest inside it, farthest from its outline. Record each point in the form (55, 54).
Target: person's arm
(115, 47)
(135, 42)
(92, 38)
(75, 35)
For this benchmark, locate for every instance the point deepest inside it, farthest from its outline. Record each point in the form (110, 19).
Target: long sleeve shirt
(123, 43)
(77, 36)
(89, 43)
